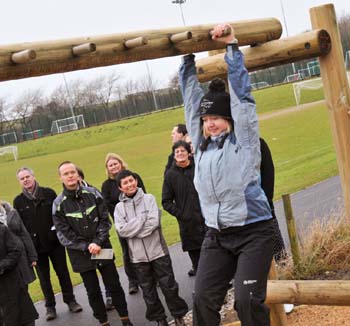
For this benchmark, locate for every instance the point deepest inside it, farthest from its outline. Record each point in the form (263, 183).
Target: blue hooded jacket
(226, 177)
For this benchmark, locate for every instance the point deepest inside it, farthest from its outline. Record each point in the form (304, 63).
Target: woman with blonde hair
(114, 163)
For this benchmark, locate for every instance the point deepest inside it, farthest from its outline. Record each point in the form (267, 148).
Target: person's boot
(126, 321)
(179, 322)
(74, 306)
(133, 288)
(162, 322)
(192, 272)
(109, 304)
(51, 313)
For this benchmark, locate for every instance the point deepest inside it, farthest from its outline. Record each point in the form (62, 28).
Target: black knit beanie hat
(216, 101)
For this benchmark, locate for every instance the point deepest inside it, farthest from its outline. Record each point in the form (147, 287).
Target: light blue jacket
(227, 178)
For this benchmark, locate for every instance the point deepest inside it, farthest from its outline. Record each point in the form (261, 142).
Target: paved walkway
(312, 203)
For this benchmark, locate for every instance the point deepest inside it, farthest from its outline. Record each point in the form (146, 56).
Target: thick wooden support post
(56, 56)
(83, 48)
(328, 293)
(337, 94)
(277, 313)
(176, 38)
(303, 46)
(292, 230)
(23, 56)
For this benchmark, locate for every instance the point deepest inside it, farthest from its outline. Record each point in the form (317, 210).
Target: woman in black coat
(180, 199)
(110, 192)
(29, 257)
(16, 307)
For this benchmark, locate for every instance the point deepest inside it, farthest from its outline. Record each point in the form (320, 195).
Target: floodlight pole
(69, 97)
(181, 2)
(285, 25)
(151, 84)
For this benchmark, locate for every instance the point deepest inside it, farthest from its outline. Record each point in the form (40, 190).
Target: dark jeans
(245, 254)
(59, 263)
(194, 256)
(161, 271)
(110, 278)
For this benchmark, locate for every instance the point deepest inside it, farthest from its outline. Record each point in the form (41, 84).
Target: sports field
(300, 142)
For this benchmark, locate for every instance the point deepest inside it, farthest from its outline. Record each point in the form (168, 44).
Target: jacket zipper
(143, 244)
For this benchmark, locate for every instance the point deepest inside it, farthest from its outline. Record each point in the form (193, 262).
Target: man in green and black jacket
(82, 224)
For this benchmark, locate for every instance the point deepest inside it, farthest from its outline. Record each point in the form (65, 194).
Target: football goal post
(71, 123)
(9, 150)
(311, 84)
(8, 138)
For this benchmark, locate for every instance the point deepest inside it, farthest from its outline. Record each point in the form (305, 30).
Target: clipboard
(104, 254)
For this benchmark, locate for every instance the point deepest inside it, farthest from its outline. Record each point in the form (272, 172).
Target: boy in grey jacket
(137, 218)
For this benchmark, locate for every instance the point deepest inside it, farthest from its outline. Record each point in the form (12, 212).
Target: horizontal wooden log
(23, 56)
(56, 56)
(329, 293)
(303, 46)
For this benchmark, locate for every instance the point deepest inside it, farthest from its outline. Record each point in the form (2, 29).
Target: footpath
(315, 202)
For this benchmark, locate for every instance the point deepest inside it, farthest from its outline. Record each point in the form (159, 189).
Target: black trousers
(160, 270)
(59, 263)
(245, 254)
(110, 278)
(194, 256)
(128, 266)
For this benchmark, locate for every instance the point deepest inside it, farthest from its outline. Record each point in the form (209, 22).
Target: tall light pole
(286, 27)
(151, 85)
(180, 2)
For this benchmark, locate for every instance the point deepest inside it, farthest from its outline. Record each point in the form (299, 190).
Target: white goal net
(68, 124)
(8, 138)
(9, 150)
(311, 84)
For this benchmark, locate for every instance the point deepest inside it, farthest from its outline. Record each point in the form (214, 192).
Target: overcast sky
(39, 20)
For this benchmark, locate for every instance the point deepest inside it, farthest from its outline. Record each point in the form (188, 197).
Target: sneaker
(51, 313)
(179, 322)
(133, 289)
(162, 322)
(191, 272)
(109, 304)
(74, 307)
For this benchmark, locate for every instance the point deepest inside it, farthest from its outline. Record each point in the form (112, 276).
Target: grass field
(300, 143)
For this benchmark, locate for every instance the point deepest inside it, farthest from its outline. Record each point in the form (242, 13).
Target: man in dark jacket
(34, 206)
(180, 199)
(16, 307)
(82, 224)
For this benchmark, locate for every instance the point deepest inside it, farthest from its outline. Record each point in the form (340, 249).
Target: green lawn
(300, 142)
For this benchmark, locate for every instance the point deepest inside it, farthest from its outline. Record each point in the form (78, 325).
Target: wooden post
(83, 48)
(292, 230)
(23, 56)
(179, 37)
(277, 314)
(337, 94)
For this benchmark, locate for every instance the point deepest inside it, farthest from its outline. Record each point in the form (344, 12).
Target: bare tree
(107, 87)
(174, 80)
(3, 115)
(25, 105)
(344, 29)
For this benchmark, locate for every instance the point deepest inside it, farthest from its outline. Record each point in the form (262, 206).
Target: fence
(39, 124)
